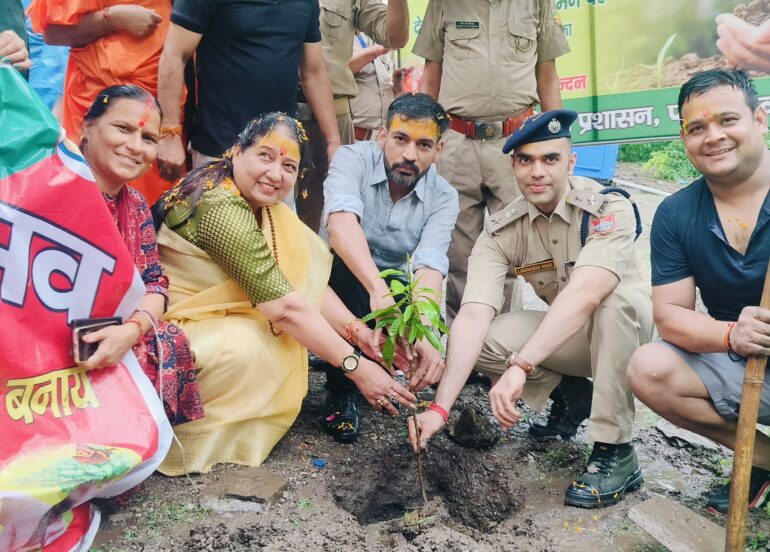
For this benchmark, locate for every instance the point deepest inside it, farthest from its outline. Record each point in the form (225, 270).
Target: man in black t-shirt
(248, 58)
(713, 235)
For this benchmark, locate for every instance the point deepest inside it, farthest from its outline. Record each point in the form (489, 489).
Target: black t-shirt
(247, 61)
(687, 240)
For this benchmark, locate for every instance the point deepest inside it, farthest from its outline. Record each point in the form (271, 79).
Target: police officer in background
(387, 25)
(575, 245)
(488, 62)
(372, 67)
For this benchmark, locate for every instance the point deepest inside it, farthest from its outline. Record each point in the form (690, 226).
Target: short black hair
(704, 81)
(418, 105)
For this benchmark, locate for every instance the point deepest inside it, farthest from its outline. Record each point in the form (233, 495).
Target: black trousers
(356, 298)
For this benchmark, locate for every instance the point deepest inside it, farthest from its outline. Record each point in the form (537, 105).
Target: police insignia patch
(603, 225)
(554, 126)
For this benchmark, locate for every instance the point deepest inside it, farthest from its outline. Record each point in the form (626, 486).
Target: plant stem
(420, 476)
(418, 454)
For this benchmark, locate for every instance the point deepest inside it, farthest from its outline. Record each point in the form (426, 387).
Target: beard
(403, 180)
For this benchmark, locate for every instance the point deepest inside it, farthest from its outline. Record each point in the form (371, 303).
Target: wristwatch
(350, 362)
(515, 360)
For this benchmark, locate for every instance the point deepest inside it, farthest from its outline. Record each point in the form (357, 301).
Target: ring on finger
(380, 401)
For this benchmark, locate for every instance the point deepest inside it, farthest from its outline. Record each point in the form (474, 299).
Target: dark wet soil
(366, 495)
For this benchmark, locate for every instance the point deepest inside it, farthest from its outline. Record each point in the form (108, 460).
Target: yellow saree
(252, 383)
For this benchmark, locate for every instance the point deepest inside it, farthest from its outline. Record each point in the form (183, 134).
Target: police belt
(362, 134)
(486, 130)
(341, 107)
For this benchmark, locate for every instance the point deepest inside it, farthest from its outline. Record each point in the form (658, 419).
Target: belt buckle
(489, 131)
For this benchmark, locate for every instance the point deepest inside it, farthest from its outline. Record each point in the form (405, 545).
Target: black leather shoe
(571, 406)
(612, 471)
(341, 419)
(759, 489)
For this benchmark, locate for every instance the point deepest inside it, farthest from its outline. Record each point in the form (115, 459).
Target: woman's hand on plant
(430, 422)
(114, 343)
(504, 394)
(379, 388)
(430, 366)
(137, 21)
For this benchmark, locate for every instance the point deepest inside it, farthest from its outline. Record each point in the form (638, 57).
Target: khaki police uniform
(545, 250)
(340, 19)
(488, 50)
(369, 107)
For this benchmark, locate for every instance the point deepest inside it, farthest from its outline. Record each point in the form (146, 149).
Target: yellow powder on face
(415, 128)
(286, 146)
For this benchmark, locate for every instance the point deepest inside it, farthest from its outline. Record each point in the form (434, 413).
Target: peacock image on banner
(68, 435)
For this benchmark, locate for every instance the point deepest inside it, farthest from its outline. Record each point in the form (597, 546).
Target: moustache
(404, 165)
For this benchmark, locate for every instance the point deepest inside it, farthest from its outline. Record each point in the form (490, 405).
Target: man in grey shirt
(383, 201)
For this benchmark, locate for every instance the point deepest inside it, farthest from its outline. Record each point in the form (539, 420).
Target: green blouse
(224, 226)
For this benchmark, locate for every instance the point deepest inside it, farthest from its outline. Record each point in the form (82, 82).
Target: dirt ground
(363, 496)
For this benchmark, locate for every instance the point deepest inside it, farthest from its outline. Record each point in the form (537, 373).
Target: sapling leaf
(442, 327)
(396, 287)
(388, 349)
(433, 340)
(413, 333)
(391, 272)
(423, 291)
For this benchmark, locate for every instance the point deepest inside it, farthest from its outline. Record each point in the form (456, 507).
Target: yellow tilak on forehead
(415, 127)
(285, 145)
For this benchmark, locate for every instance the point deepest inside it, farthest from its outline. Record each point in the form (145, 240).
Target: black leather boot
(571, 406)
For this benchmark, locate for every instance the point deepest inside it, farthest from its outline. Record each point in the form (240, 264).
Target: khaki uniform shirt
(340, 19)
(375, 89)
(545, 250)
(488, 50)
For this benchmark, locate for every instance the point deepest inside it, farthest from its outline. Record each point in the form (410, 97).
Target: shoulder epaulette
(588, 200)
(511, 212)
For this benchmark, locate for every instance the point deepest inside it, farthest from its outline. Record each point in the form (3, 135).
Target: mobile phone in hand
(82, 351)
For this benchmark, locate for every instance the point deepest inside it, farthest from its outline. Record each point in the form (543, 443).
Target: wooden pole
(744, 442)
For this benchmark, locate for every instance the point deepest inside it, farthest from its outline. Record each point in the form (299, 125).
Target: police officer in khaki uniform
(372, 66)
(488, 62)
(387, 25)
(575, 245)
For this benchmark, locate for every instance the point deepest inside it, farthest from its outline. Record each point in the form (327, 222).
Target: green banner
(628, 59)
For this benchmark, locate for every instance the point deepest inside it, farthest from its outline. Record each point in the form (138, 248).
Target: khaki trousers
(483, 178)
(310, 188)
(600, 350)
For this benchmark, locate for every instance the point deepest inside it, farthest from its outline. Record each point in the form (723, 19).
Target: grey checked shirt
(420, 223)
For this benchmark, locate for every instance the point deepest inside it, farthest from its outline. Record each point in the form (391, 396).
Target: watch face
(350, 363)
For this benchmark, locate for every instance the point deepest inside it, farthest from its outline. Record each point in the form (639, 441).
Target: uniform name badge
(467, 24)
(603, 225)
(535, 267)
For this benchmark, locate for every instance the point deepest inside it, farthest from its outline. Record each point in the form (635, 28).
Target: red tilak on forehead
(707, 113)
(282, 151)
(146, 114)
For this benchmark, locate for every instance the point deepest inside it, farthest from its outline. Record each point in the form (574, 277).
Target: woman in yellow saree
(248, 285)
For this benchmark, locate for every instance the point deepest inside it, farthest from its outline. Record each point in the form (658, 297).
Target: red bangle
(443, 413)
(730, 326)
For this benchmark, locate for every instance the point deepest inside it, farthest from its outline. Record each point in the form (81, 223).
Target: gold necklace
(273, 330)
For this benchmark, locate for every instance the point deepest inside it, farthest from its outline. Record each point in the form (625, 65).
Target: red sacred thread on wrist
(349, 329)
(728, 346)
(105, 17)
(138, 325)
(443, 413)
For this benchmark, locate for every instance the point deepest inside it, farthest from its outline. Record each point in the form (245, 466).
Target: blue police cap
(540, 127)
